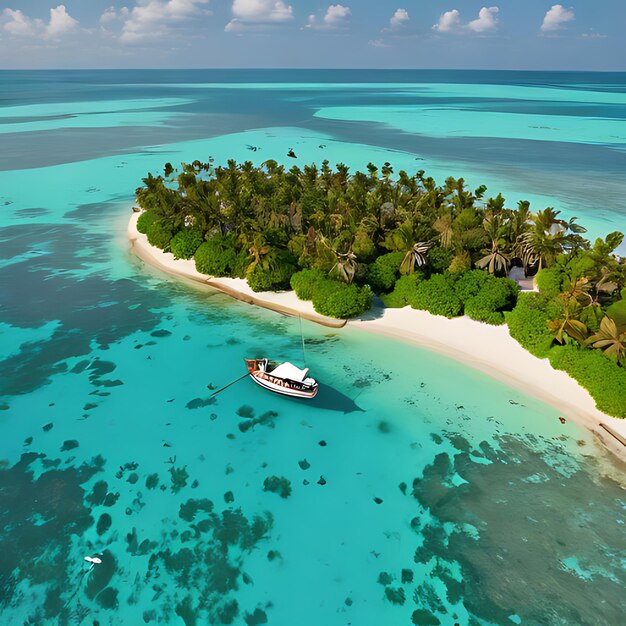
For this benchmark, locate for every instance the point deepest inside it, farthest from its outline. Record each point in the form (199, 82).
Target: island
(521, 295)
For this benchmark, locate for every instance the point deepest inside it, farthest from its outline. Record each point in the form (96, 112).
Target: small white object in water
(94, 560)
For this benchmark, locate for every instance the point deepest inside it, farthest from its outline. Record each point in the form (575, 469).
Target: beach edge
(488, 349)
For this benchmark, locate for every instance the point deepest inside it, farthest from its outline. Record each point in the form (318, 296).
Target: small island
(344, 242)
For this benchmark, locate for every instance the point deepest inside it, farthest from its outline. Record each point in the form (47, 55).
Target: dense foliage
(479, 295)
(271, 278)
(495, 296)
(145, 220)
(159, 235)
(331, 297)
(469, 284)
(384, 271)
(185, 243)
(550, 281)
(404, 291)
(337, 299)
(437, 296)
(605, 380)
(617, 311)
(219, 257)
(528, 324)
(335, 236)
(305, 282)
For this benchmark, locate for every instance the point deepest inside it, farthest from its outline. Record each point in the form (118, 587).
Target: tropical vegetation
(339, 239)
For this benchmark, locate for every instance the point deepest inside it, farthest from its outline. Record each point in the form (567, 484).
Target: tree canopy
(407, 238)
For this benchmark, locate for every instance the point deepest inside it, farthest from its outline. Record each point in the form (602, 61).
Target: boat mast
(302, 337)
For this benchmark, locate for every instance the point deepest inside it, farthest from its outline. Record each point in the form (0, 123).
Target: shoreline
(489, 349)
(284, 302)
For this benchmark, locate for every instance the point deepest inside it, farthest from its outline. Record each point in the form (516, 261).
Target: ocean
(412, 490)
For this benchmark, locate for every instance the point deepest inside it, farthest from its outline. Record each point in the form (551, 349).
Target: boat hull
(287, 388)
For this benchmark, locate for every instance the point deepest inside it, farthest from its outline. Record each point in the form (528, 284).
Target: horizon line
(305, 69)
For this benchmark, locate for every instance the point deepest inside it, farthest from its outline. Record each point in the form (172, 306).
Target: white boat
(284, 378)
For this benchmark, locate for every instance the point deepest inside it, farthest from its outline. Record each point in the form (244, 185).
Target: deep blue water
(419, 488)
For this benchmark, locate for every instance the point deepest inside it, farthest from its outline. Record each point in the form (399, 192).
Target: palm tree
(443, 225)
(611, 338)
(147, 195)
(518, 222)
(346, 266)
(402, 239)
(548, 237)
(260, 252)
(415, 257)
(497, 261)
(458, 196)
(202, 207)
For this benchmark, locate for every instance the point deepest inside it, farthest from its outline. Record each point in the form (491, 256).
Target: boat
(283, 378)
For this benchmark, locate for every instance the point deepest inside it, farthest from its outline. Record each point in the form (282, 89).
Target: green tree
(548, 237)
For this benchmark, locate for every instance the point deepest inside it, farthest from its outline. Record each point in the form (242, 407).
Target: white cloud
(19, 25)
(61, 22)
(153, 18)
(336, 16)
(262, 10)
(556, 17)
(399, 19)
(252, 14)
(449, 21)
(111, 15)
(487, 20)
(378, 43)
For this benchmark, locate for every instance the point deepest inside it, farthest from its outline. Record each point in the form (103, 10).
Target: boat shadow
(330, 399)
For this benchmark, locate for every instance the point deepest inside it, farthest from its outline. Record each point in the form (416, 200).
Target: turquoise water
(413, 483)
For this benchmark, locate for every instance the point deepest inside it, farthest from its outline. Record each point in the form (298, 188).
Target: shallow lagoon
(438, 490)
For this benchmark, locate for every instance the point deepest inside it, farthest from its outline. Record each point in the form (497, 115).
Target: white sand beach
(489, 349)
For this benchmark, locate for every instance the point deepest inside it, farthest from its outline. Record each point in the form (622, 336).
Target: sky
(440, 34)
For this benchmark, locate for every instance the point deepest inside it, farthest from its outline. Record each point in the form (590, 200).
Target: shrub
(439, 259)
(337, 299)
(550, 281)
(305, 282)
(145, 220)
(274, 279)
(364, 247)
(218, 257)
(496, 295)
(528, 323)
(469, 284)
(602, 377)
(461, 263)
(185, 243)
(437, 296)
(384, 271)
(404, 291)
(617, 312)
(159, 235)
